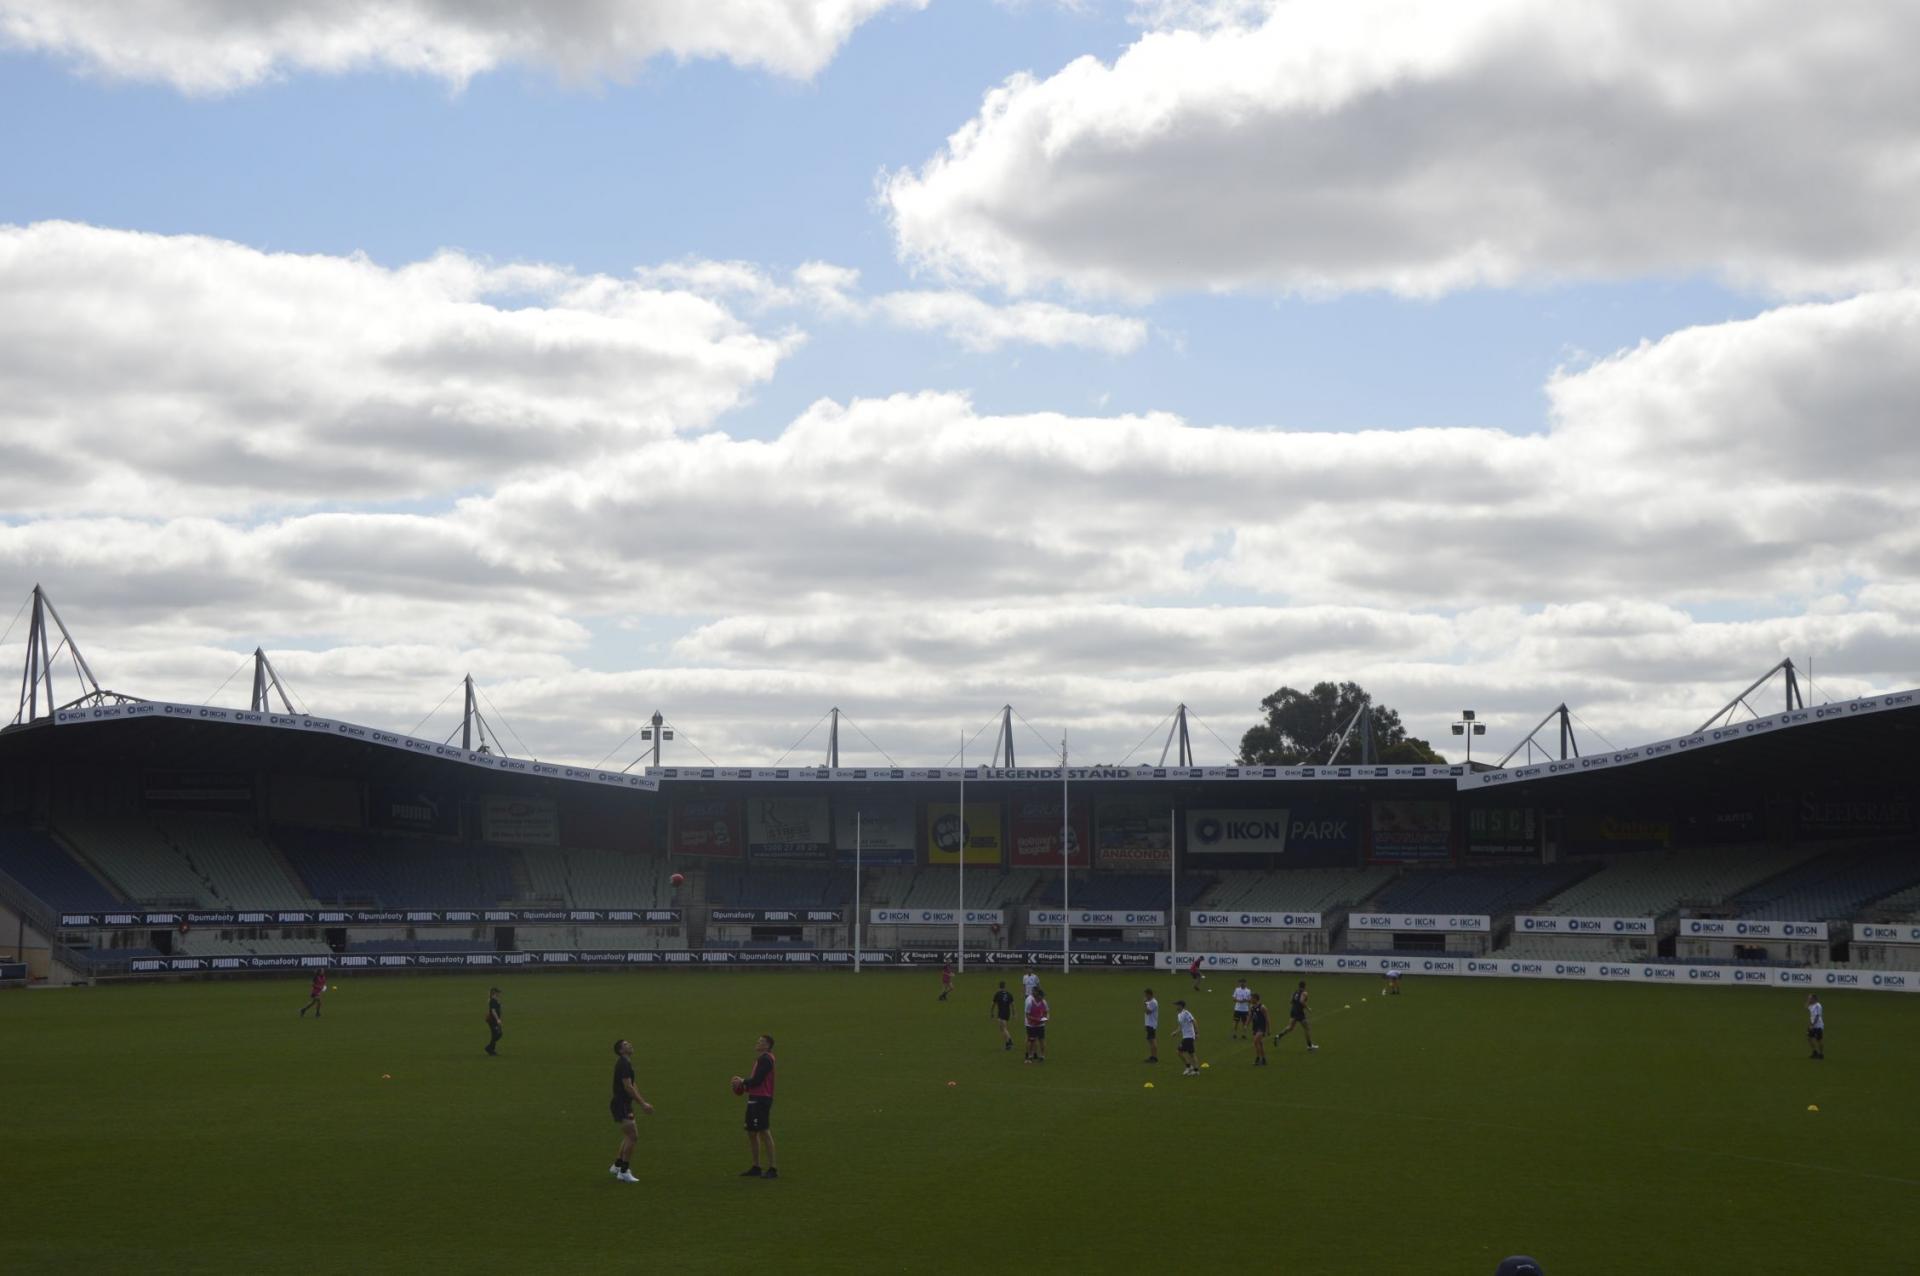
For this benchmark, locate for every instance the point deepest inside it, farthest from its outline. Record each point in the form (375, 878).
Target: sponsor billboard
(982, 833)
(789, 828)
(520, 821)
(1410, 831)
(1508, 831)
(776, 916)
(1618, 831)
(374, 917)
(1133, 831)
(413, 809)
(1238, 920)
(935, 916)
(1035, 832)
(1322, 834)
(1438, 923)
(1741, 928)
(1256, 831)
(1868, 934)
(707, 826)
(1621, 927)
(886, 827)
(1095, 917)
(1854, 815)
(199, 791)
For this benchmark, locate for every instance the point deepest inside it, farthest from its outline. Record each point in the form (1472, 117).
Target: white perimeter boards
(1438, 923)
(1626, 927)
(1696, 974)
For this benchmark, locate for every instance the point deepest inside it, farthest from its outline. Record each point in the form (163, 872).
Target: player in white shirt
(1188, 1045)
(1392, 977)
(1029, 981)
(1153, 1028)
(1242, 1003)
(1816, 1026)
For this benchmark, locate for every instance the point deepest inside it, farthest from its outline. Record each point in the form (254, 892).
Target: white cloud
(833, 292)
(214, 46)
(912, 557)
(150, 374)
(980, 325)
(1321, 146)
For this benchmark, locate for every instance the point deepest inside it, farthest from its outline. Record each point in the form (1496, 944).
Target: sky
(741, 359)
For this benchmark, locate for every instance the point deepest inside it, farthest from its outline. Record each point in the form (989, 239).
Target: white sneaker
(1313, 1047)
(625, 1176)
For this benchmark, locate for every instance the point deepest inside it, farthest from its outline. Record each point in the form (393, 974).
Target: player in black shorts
(493, 1020)
(625, 1097)
(759, 1091)
(1258, 1016)
(1297, 1014)
(1002, 1013)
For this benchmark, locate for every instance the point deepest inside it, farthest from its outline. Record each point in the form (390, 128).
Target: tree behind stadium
(1298, 727)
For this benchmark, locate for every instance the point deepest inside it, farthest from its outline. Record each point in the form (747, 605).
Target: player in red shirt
(1194, 971)
(946, 980)
(318, 991)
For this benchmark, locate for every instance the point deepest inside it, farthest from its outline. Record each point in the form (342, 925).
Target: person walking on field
(1002, 1013)
(1297, 1015)
(493, 1021)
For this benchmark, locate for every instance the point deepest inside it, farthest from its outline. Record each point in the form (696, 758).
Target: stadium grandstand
(145, 838)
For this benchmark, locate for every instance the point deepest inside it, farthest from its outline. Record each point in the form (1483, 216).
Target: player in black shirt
(625, 1096)
(1297, 1014)
(1003, 1011)
(493, 1020)
(1258, 1015)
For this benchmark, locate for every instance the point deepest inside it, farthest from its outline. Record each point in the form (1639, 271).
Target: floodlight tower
(658, 732)
(1469, 728)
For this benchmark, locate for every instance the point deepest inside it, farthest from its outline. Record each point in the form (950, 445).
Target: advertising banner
(707, 826)
(1624, 927)
(1854, 815)
(1322, 834)
(982, 833)
(1507, 831)
(1094, 917)
(1133, 832)
(886, 826)
(1258, 831)
(1438, 923)
(788, 828)
(1036, 833)
(413, 809)
(1603, 831)
(1407, 832)
(375, 917)
(1868, 934)
(520, 821)
(935, 917)
(776, 916)
(1740, 928)
(1254, 921)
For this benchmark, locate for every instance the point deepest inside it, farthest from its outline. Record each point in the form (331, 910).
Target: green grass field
(1605, 1129)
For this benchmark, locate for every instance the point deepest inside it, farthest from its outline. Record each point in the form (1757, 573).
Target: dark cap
(1518, 1265)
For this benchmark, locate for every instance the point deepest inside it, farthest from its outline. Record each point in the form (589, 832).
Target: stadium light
(656, 733)
(1469, 728)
